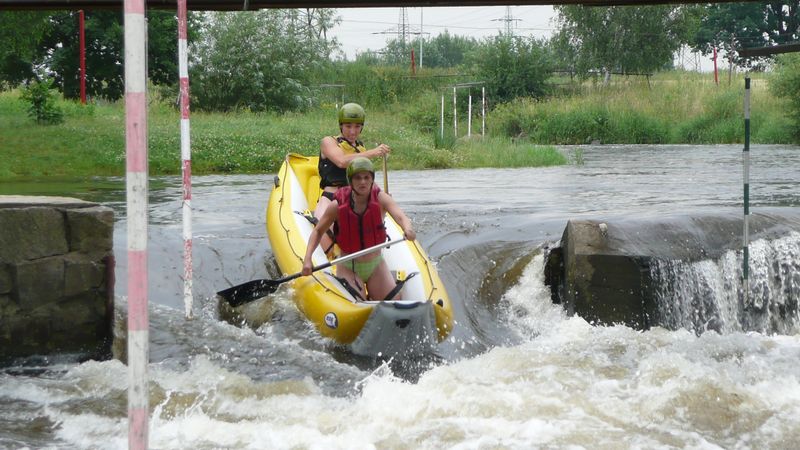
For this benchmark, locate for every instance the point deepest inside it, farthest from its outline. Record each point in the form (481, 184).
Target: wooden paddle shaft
(385, 175)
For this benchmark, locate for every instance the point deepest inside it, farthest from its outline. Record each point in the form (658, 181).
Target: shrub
(720, 121)
(42, 102)
(512, 67)
(785, 82)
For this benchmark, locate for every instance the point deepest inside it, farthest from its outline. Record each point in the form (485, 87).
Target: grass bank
(91, 142)
(670, 108)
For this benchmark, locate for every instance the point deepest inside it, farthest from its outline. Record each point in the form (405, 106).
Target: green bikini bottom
(364, 269)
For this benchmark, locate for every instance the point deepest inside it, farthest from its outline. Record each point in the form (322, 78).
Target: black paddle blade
(248, 292)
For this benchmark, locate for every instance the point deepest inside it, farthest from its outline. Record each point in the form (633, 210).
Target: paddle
(385, 175)
(254, 290)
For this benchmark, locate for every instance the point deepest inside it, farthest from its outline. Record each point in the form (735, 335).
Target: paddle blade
(254, 290)
(249, 292)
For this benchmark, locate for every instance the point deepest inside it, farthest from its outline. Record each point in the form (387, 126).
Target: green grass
(91, 142)
(674, 107)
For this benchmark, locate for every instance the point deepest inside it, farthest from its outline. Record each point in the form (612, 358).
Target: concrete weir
(624, 271)
(56, 278)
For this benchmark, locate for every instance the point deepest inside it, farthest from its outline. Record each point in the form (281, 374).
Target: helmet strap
(353, 198)
(352, 144)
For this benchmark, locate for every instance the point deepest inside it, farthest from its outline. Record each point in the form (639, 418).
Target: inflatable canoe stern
(397, 327)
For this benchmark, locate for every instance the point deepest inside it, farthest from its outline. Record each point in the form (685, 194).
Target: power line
(509, 20)
(403, 29)
(448, 26)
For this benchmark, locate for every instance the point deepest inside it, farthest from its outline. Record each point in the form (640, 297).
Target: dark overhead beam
(238, 5)
(767, 51)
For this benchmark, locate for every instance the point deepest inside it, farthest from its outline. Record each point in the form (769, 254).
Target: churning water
(516, 373)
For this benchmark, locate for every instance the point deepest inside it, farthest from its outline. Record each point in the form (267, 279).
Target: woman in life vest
(335, 153)
(358, 211)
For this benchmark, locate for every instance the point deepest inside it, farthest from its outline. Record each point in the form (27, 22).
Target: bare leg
(381, 283)
(322, 205)
(343, 271)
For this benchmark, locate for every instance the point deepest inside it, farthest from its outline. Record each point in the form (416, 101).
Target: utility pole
(420, 38)
(402, 26)
(509, 20)
(403, 31)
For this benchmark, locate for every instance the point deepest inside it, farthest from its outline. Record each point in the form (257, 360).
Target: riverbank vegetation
(671, 108)
(578, 87)
(91, 141)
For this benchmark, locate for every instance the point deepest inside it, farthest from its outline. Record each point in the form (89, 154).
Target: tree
(785, 83)
(59, 53)
(318, 21)
(731, 26)
(623, 39)
(447, 50)
(49, 48)
(443, 50)
(20, 34)
(397, 53)
(512, 66)
(261, 60)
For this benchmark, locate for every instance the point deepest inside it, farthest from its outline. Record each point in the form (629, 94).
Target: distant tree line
(274, 60)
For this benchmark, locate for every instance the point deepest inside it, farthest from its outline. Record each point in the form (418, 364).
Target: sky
(365, 29)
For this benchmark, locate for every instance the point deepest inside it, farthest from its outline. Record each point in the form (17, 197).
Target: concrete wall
(602, 269)
(56, 277)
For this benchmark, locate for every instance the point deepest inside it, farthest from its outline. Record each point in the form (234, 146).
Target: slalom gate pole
(186, 157)
(469, 117)
(442, 119)
(136, 207)
(455, 114)
(746, 164)
(483, 111)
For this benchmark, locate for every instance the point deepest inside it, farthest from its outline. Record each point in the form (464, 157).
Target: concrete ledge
(602, 269)
(56, 277)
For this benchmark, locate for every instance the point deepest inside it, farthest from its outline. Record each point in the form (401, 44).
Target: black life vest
(332, 175)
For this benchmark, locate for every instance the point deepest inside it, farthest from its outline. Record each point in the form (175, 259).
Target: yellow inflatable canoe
(417, 322)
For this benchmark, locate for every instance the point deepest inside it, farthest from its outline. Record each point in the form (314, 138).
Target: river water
(516, 373)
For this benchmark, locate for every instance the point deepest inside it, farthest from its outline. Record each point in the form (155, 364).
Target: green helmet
(351, 113)
(359, 164)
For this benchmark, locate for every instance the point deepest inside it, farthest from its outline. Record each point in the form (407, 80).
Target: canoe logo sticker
(331, 320)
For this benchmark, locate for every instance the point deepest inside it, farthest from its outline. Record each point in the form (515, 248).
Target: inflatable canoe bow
(374, 328)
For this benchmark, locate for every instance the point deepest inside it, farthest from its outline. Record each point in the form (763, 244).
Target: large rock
(56, 277)
(602, 270)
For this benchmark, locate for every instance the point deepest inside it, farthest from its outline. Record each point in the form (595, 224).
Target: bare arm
(331, 150)
(388, 203)
(325, 222)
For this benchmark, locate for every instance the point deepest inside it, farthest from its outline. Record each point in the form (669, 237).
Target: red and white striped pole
(136, 186)
(186, 156)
